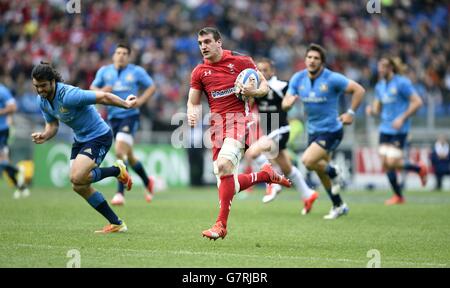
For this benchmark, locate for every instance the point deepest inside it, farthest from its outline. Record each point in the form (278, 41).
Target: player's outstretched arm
(104, 89)
(374, 109)
(415, 102)
(357, 92)
(288, 101)
(148, 93)
(193, 106)
(107, 98)
(49, 132)
(9, 109)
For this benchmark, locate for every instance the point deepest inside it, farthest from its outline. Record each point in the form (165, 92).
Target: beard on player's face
(313, 70)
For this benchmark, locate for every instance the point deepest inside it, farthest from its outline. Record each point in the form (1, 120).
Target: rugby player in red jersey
(216, 78)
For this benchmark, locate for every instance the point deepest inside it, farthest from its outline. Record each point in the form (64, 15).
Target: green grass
(40, 230)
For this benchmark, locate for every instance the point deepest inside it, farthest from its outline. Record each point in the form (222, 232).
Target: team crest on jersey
(323, 87)
(393, 91)
(231, 66)
(129, 78)
(301, 87)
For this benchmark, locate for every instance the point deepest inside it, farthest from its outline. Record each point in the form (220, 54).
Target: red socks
(247, 180)
(226, 190)
(226, 194)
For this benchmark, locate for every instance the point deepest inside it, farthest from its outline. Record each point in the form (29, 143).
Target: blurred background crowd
(164, 41)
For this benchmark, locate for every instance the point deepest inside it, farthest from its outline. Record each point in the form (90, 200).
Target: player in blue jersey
(16, 174)
(93, 137)
(319, 89)
(123, 79)
(395, 101)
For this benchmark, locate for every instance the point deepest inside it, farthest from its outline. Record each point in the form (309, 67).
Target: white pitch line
(185, 252)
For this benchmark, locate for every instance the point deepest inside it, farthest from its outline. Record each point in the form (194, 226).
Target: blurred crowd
(163, 38)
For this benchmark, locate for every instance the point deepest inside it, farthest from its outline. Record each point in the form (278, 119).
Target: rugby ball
(246, 77)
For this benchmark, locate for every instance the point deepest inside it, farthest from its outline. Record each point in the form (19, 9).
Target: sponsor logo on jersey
(222, 93)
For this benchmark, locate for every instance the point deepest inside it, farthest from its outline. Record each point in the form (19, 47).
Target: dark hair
(397, 65)
(125, 46)
(318, 48)
(265, 60)
(210, 30)
(45, 72)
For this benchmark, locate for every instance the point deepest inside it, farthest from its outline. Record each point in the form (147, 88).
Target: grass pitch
(41, 230)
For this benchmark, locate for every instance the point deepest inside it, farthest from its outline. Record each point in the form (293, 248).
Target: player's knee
(77, 188)
(224, 168)
(391, 163)
(78, 178)
(308, 163)
(120, 155)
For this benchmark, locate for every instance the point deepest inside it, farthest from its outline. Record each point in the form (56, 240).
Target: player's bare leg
(81, 179)
(317, 158)
(230, 183)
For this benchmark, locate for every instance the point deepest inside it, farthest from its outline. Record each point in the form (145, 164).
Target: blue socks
(139, 169)
(10, 170)
(411, 167)
(101, 173)
(392, 176)
(331, 171)
(99, 203)
(336, 199)
(120, 188)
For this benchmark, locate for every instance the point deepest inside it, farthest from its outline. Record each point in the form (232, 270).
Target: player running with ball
(216, 77)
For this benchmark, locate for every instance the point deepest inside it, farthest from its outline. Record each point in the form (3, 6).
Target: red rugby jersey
(217, 81)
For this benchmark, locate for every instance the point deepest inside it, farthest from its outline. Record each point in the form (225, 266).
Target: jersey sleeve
(196, 81)
(47, 116)
(293, 84)
(406, 88)
(249, 63)
(144, 79)
(78, 97)
(339, 81)
(6, 96)
(98, 80)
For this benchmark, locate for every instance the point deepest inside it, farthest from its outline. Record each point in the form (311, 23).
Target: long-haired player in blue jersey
(93, 137)
(319, 90)
(123, 79)
(395, 101)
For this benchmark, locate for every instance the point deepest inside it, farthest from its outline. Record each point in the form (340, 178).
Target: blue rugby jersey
(124, 82)
(5, 99)
(394, 96)
(75, 107)
(320, 98)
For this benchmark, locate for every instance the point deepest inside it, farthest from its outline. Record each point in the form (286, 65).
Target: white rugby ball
(247, 77)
